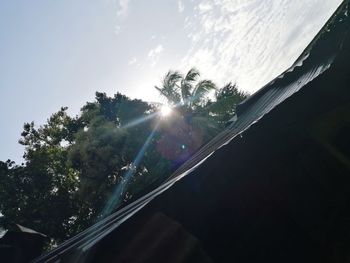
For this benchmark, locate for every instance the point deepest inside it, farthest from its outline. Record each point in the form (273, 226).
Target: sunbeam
(116, 197)
(139, 121)
(163, 111)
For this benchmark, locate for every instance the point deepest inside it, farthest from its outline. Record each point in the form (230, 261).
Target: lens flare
(165, 111)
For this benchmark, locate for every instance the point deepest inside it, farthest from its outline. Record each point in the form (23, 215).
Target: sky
(58, 53)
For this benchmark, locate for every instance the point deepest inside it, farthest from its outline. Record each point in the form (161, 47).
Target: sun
(165, 111)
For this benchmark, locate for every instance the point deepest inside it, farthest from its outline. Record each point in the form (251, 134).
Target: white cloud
(117, 29)
(251, 41)
(132, 61)
(180, 6)
(204, 7)
(122, 12)
(154, 54)
(123, 8)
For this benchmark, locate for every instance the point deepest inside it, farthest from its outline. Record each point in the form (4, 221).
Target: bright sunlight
(165, 111)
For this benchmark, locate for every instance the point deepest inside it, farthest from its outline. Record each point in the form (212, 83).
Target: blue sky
(58, 53)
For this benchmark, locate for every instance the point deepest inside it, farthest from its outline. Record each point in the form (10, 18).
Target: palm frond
(171, 78)
(172, 96)
(186, 91)
(170, 89)
(186, 85)
(192, 75)
(201, 90)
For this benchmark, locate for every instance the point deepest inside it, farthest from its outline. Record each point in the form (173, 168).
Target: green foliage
(226, 100)
(73, 165)
(191, 99)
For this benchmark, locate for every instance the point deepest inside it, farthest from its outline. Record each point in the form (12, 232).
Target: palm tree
(197, 117)
(183, 91)
(190, 96)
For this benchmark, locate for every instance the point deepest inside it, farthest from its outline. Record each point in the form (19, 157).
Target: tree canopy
(200, 111)
(79, 169)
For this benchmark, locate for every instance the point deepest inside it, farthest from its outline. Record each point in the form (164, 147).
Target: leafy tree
(115, 150)
(189, 95)
(224, 106)
(73, 165)
(105, 150)
(39, 194)
(182, 91)
(197, 116)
